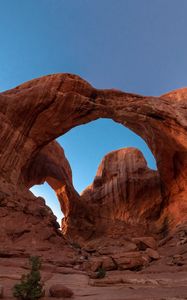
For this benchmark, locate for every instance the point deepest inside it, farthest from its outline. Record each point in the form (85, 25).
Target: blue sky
(138, 46)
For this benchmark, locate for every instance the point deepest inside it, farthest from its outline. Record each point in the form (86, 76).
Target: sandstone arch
(35, 113)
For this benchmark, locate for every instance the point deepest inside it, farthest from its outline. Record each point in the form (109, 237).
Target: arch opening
(48, 194)
(85, 146)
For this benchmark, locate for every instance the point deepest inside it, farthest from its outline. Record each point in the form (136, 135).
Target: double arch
(35, 113)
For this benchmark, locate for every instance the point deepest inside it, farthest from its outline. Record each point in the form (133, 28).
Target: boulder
(108, 263)
(60, 291)
(92, 264)
(153, 254)
(145, 242)
(103, 261)
(112, 249)
(129, 261)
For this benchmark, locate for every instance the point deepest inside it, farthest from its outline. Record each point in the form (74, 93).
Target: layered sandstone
(35, 113)
(124, 191)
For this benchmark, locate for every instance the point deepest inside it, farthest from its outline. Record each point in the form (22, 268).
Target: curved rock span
(125, 193)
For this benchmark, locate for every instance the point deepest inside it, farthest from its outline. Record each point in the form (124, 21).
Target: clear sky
(138, 46)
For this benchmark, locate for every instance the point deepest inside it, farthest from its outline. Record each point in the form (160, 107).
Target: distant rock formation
(125, 193)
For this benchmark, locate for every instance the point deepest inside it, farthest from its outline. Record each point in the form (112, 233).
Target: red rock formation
(51, 165)
(124, 192)
(124, 189)
(35, 113)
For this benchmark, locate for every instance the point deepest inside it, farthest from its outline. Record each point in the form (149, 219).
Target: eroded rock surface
(164, 278)
(125, 191)
(118, 222)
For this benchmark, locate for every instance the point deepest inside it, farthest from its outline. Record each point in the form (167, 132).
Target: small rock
(59, 290)
(152, 253)
(178, 260)
(1, 291)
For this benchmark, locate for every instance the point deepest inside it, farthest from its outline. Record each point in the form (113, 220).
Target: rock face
(124, 190)
(51, 165)
(35, 113)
